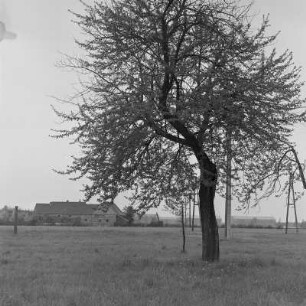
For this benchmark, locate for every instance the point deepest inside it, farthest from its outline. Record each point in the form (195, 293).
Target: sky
(30, 78)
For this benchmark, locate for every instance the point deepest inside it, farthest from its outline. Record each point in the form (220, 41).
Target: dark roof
(112, 207)
(93, 206)
(64, 208)
(116, 209)
(71, 208)
(42, 208)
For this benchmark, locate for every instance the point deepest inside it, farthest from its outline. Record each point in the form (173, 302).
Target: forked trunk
(210, 235)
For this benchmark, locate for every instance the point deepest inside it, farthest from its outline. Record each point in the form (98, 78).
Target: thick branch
(159, 131)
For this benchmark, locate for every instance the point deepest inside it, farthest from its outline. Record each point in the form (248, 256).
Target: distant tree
(7, 214)
(164, 83)
(178, 207)
(129, 213)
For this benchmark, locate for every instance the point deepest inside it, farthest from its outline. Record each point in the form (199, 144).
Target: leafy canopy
(165, 80)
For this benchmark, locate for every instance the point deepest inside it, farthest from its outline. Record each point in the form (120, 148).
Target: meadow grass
(145, 266)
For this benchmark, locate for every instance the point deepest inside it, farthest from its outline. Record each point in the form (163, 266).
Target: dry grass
(144, 266)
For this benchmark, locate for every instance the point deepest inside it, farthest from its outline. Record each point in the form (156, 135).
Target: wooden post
(15, 219)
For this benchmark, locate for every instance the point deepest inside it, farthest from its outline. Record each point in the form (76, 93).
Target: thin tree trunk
(183, 228)
(193, 211)
(210, 234)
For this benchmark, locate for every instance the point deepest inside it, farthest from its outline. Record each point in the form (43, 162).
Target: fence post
(15, 219)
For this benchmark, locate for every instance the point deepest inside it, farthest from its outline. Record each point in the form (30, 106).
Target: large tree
(165, 83)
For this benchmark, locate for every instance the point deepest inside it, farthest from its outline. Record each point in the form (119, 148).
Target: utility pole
(289, 203)
(228, 195)
(189, 213)
(291, 186)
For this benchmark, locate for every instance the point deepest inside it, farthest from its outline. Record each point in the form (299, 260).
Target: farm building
(106, 218)
(76, 213)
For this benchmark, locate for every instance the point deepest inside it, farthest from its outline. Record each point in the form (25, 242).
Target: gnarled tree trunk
(210, 235)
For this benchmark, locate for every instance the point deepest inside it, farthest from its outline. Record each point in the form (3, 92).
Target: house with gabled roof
(109, 217)
(76, 213)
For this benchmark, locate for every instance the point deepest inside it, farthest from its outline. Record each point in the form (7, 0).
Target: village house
(76, 213)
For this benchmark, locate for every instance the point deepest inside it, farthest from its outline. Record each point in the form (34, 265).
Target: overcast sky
(29, 78)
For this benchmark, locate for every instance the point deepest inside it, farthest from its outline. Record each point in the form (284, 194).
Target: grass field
(145, 266)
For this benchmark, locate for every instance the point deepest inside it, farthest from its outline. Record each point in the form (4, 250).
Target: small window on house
(58, 215)
(69, 216)
(85, 219)
(106, 220)
(100, 220)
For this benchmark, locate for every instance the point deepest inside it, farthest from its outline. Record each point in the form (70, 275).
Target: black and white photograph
(153, 152)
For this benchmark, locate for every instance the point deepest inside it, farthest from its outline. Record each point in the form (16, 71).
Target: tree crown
(166, 82)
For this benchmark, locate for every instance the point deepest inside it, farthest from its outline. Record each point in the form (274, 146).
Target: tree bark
(209, 226)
